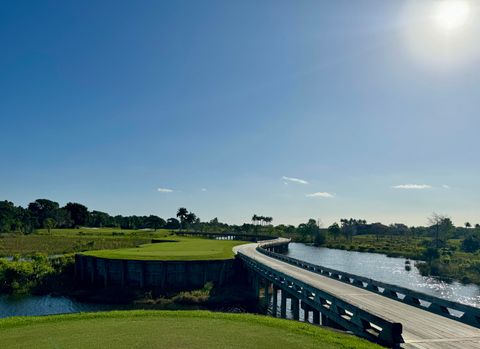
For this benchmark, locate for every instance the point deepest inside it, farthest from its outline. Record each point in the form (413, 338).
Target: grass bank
(169, 329)
(180, 249)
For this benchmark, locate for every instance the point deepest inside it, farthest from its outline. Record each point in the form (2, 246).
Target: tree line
(48, 214)
(44, 213)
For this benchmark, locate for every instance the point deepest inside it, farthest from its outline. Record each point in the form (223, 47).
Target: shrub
(26, 275)
(431, 254)
(471, 244)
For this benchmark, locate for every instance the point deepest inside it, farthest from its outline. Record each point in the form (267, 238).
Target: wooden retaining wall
(161, 275)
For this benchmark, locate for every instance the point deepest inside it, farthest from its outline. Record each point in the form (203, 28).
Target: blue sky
(373, 105)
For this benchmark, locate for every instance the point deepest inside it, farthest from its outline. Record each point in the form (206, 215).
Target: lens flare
(452, 14)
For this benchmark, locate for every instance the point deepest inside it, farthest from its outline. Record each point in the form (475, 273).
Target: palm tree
(268, 220)
(190, 218)
(262, 219)
(182, 215)
(255, 219)
(468, 225)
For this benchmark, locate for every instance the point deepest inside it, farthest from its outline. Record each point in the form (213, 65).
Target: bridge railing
(226, 235)
(452, 310)
(350, 317)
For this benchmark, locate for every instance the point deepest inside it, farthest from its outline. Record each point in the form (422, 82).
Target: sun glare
(443, 34)
(452, 14)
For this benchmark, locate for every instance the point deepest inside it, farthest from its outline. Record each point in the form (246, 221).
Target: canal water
(386, 269)
(372, 265)
(47, 305)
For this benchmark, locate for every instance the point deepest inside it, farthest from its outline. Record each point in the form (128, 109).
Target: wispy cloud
(320, 194)
(295, 180)
(165, 190)
(203, 189)
(412, 186)
(445, 186)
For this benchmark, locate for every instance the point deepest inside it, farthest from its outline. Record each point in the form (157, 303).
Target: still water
(387, 269)
(46, 305)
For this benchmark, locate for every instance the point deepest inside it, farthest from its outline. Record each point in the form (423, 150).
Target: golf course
(169, 329)
(185, 249)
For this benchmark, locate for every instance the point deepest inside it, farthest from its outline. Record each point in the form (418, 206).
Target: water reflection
(45, 305)
(387, 269)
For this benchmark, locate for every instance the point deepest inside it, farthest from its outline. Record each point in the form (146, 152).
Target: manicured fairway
(168, 329)
(180, 249)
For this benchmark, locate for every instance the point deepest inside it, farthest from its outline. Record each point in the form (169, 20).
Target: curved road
(421, 329)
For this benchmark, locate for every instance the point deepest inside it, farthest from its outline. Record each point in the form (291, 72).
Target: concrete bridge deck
(421, 329)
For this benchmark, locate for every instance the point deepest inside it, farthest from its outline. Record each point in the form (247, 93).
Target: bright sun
(452, 14)
(443, 34)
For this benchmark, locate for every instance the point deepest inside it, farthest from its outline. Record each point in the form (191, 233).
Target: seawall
(146, 274)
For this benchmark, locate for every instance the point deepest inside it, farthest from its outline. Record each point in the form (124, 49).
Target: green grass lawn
(168, 329)
(180, 249)
(61, 241)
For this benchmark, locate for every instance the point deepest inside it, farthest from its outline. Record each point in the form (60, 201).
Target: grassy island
(175, 248)
(169, 329)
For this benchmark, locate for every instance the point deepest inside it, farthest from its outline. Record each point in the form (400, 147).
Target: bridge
(387, 314)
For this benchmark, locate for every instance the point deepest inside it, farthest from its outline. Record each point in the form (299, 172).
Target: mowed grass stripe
(168, 329)
(182, 249)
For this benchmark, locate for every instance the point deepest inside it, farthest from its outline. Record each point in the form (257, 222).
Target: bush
(320, 238)
(471, 244)
(195, 296)
(26, 275)
(431, 254)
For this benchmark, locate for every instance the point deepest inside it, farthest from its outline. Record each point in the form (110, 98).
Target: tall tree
(78, 213)
(172, 223)
(334, 230)
(182, 215)
(155, 222)
(309, 231)
(190, 219)
(9, 215)
(442, 227)
(42, 209)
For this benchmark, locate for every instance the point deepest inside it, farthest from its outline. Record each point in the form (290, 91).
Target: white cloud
(203, 189)
(412, 186)
(445, 186)
(320, 194)
(164, 190)
(295, 180)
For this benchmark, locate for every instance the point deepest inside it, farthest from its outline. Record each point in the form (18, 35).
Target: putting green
(168, 329)
(181, 249)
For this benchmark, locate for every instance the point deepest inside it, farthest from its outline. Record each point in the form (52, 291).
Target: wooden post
(283, 305)
(274, 301)
(316, 317)
(266, 294)
(295, 308)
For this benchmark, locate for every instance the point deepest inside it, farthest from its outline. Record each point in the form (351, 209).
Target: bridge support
(316, 317)
(283, 305)
(256, 285)
(274, 300)
(295, 305)
(266, 294)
